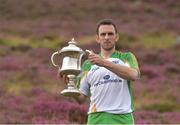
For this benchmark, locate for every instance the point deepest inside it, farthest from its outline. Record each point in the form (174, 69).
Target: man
(106, 79)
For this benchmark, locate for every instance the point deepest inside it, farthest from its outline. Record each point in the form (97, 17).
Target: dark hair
(106, 22)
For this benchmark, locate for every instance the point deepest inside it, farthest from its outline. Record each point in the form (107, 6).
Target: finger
(88, 51)
(92, 52)
(65, 80)
(91, 56)
(93, 60)
(59, 75)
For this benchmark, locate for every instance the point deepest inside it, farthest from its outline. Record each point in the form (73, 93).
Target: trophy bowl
(69, 65)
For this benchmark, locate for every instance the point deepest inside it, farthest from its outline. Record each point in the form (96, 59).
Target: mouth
(107, 43)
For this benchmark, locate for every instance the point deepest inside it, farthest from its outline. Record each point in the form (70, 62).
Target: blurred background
(31, 30)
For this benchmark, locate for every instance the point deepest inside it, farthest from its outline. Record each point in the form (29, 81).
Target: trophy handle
(80, 59)
(52, 59)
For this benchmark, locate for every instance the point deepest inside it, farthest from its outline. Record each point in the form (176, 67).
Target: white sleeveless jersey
(109, 92)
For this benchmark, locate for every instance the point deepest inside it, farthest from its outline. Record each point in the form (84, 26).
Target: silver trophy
(70, 65)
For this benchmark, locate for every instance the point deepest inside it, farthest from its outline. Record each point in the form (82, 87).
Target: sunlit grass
(43, 42)
(147, 40)
(158, 40)
(150, 99)
(17, 87)
(13, 41)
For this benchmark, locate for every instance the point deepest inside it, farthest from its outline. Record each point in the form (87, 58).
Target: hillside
(31, 30)
(73, 18)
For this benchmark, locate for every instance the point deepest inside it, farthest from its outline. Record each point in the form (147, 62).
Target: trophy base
(71, 92)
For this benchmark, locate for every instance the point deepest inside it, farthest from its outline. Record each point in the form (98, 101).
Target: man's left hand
(96, 59)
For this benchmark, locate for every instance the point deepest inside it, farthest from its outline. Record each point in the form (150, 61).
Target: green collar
(112, 55)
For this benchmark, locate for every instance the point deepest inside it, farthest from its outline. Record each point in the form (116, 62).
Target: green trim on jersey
(108, 118)
(126, 57)
(85, 68)
(129, 58)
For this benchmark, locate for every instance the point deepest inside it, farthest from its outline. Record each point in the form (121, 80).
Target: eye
(103, 34)
(108, 33)
(111, 33)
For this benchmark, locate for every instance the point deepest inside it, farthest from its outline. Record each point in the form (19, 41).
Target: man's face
(107, 37)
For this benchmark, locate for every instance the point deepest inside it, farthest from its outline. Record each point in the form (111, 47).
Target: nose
(106, 36)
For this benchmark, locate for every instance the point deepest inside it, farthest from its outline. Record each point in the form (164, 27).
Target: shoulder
(129, 54)
(123, 55)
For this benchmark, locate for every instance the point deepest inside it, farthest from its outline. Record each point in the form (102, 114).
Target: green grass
(158, 40)
(164, 106)
(147, 40)
(17, 87)
(164, 101)
(47, 41)
(13, 42)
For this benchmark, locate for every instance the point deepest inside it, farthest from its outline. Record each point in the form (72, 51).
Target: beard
(108, 46)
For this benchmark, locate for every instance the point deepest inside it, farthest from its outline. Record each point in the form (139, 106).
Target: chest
(101, 76)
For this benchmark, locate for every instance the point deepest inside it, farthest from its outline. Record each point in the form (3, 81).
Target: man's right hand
(62, 77)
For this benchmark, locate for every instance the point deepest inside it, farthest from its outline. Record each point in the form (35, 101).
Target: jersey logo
(106, 81)
(95, 68)
(106, 77)
(116, 61)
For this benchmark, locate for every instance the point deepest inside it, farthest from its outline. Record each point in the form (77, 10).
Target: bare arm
(120, 70)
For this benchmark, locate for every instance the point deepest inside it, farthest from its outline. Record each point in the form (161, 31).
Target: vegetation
(31, 31)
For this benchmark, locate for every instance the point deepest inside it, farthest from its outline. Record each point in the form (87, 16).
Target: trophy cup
(71, 59)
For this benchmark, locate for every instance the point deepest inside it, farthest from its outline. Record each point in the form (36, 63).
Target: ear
(117, 37)
(97, 38)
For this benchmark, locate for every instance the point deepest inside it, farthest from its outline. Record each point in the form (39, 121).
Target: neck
(106, 54)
